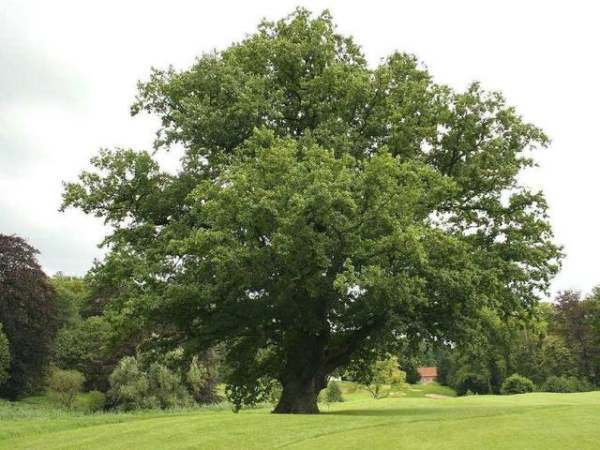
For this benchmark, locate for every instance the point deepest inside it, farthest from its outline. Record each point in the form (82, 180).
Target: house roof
(427, 371)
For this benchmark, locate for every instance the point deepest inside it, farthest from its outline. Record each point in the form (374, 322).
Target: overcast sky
(68, 72)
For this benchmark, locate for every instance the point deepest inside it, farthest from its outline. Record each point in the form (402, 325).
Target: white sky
(68, 72)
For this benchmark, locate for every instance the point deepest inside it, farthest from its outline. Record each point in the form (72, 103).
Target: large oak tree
(325, 211)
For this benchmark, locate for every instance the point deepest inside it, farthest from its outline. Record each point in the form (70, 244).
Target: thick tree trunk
(300, 396)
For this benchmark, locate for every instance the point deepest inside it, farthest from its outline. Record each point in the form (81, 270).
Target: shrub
(472, 383)
(333, 393)
(383, 373)
(580, 384)
(556, 384)
(93, 401)
(83, 345)
(129, 386)
(202, 381)
(167, 388)
(134, 388)
(566, 384)
(64, 385)
(412, 374)
(4, 356)
(516, 384)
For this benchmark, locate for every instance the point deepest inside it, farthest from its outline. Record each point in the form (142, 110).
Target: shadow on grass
(385, 412)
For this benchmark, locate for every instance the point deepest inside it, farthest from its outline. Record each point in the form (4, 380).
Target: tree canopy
(324, 212)
(4, 356)
(27, 315)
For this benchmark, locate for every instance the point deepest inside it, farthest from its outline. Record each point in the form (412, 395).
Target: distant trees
(558, 348)
(72, 295)
(28, 314)
(84, 345)
(576, 322)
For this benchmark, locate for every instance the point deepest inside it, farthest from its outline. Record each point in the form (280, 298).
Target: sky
(68, 74)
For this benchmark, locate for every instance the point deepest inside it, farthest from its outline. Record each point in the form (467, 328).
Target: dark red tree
(28, 315)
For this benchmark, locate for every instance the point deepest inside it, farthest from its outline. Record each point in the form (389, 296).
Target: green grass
(415, 421)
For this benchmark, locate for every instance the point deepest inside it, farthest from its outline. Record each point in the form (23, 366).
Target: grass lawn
(416, 420)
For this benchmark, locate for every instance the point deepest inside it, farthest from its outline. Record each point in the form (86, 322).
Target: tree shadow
(385, 412)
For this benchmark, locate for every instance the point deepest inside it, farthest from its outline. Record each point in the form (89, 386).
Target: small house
(427, 374)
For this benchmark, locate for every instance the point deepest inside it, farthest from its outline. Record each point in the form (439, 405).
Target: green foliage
(71, 294)
(84, 345)
(384, 377)
(166, 386)
(498, 347)
(556, 358)
(566, 384)
(516, 384)
(65, 385)
(322, 209)
(333, 393)
(557, 384)
(91, 402)
(557, 346)
(129, 386)
(202, 380)
(576, 321)
(468, 382)
(4, 356)
(412, 374)
(132, 387)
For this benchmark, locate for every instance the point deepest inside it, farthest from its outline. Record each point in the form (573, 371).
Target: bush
(129, 386)
(134, 388)
(566, 385)
(385, 372)
(4, 356)
(472, 383)
(93, 401)
(333, 393)
(167, 388)
(202, 381)
(516, 384)
(83, 345)
(64, 385)
(580, 384)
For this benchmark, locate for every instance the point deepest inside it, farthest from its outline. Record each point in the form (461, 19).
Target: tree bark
(300, 395)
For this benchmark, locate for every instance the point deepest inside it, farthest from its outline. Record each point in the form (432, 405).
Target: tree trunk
(300, 396)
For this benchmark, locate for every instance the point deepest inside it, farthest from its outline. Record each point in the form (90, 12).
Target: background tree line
(557, 348)
(66, 320)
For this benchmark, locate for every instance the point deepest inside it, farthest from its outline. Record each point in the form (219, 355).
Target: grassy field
(423, 418)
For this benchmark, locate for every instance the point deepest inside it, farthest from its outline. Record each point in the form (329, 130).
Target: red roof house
(427, 374)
